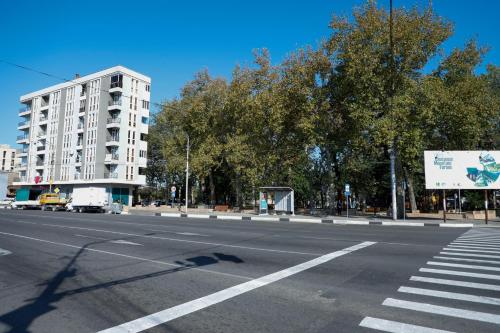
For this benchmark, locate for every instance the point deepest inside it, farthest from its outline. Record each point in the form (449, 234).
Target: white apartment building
(90, 131)
(8, 158)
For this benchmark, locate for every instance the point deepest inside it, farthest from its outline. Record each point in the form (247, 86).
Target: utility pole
(392, 149)
(187, 172)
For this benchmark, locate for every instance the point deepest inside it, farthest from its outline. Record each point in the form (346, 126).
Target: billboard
(459, 169)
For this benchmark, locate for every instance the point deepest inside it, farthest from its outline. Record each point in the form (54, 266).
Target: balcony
(23, 124)
(24, 111)
(111, 158)
(22, 139)
(115, 86)
(42, 120)
(112, 140)
(115, 104)
(78, 176)
(41, 134)
(44, 105)
(22, 166)
(113, 122)
(79, 127)
(40, 150)
(110, 175)
(79, 144)
(22, 152)
(39, 164)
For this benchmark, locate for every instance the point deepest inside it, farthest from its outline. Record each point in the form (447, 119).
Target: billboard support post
(486, 206)
(444, 206)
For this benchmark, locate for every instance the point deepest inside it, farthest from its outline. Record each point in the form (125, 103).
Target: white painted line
(449, 295)
(91, 237)
(456, 283)
(490, 239)
(4, 252)
(171, 214)
(183, 240)
(456, 225)
(403, 224)
(345, 222)
(198, 216)
(470, 255)
(468, 250)
(459, 273)
(473, 247)
(190, 234)
(167, 315)
(443, 310)
(476, 244)
(229, 217)
(469, 260)
(447, 264)
(121, 241)
(396, 327)
(125, 256)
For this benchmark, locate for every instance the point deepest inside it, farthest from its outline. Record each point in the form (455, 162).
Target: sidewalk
(328, 219)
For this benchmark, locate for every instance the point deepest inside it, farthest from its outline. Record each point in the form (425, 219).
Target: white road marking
(449, 295)
(167, 315)
(468, 250)
(126, 256)
(477, 244)
(114, 241)
(447, 264)
(4, 252)
(467, 246)
(396, 327)
(178, 233)
(470, 255)
(26, 222)
(184, 240)
(468, 260)
(458, 273)
(456, 283)
(443, 310)
(491, 239)
(121, 241)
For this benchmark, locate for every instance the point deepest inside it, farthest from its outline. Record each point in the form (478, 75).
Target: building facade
(90, 131)
(9, 158)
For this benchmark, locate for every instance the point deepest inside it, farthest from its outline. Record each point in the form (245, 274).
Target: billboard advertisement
(459, 169)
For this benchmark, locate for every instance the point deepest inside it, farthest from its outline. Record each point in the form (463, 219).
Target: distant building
(9, 158)
(90, 131)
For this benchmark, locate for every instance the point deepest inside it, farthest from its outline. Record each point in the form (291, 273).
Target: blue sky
(171, 40)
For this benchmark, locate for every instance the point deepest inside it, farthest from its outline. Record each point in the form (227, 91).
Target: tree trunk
(411, 193)
(212, 187)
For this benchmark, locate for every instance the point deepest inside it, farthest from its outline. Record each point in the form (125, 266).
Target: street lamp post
(187, 172)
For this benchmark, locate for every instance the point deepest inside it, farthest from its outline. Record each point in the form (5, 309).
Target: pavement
(66, 272)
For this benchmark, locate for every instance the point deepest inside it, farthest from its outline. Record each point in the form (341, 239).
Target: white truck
(89, 198)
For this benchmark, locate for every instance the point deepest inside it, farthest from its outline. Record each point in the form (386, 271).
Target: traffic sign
(347, 190)
(56, 190)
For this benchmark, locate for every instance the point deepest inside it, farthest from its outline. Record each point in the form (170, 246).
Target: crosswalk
(457, 291)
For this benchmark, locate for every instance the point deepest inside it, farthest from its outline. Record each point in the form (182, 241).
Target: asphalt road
(64, 272)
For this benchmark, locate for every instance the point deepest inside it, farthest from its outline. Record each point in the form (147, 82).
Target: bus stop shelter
(281, 197)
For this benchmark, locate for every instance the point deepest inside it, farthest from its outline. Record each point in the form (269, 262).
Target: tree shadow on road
(19, 320)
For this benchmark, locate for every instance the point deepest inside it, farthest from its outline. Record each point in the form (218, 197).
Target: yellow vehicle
(52, 201)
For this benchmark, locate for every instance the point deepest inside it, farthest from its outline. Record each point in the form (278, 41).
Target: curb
(313, 220)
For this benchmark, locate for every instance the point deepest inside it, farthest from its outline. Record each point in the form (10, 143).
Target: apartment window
(132, 86)
(135, 104)
(133, 153)
(148, 87)
(133, 137)
(117, 81)
(126, 174)
(128, 154)
(130, 119)
(131, 104)
(142, 153)
(135, 120)
(128, 137)
(145, 120)
(131, 173)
